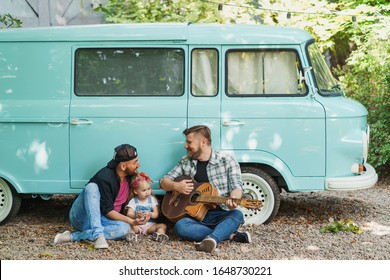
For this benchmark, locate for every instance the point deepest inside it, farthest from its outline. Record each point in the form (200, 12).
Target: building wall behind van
(36, 13)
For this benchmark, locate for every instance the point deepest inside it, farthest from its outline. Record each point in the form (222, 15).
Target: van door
(267, 110)
(204, 103)
(34, 107)
(129, 95)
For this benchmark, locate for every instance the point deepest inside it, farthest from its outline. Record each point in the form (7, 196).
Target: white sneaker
(133, 237)
(62, 237)
(101, 243)
(207, 245)
(160, 237)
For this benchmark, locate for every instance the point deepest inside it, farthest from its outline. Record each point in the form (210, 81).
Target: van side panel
(34, 107)
(293, 131)
(346, 132)
(294, 183)
(152, 124)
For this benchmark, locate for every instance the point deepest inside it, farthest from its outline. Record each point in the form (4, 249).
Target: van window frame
(74, 66)
(264, 50)
(218, 72)
(327, 94)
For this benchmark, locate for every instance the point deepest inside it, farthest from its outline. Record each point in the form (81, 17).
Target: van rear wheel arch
(259, 184)
(10, 202)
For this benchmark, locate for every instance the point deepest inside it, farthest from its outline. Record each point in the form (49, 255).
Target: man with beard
(222, 171)
(96, 212)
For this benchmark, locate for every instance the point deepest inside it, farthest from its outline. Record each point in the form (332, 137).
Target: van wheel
(10, 202)
(261, 186)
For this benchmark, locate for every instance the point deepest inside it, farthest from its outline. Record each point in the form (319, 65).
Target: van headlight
(366, 142)
(359, 168)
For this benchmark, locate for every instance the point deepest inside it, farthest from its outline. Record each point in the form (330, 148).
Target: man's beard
(194, 155)
(130, 172)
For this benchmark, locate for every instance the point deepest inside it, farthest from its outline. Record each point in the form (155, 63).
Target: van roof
(181, 32)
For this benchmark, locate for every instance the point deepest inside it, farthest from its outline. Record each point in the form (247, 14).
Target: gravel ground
(293, 235)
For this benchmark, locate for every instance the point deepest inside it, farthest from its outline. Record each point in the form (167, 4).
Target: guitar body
(176, 205)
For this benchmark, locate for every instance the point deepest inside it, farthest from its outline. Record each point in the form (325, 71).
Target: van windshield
(326, 83)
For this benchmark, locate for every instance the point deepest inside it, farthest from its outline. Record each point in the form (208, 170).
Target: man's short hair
(204, 130)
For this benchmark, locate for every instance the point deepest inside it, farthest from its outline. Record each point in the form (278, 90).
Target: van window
(204, 79)
(259, 72)
(326, 83)
(129, 71)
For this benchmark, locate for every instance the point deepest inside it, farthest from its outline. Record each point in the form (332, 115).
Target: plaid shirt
(223, 171)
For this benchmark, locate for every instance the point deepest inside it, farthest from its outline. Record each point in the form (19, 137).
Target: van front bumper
(358, 182)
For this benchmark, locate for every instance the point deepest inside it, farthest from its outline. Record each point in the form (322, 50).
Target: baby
(142, 206)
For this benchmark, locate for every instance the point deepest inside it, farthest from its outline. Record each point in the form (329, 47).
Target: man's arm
(235, 182)
(184, 186)
(167, 183)
(236, 193)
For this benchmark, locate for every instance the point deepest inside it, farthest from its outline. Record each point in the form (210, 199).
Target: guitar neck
(217, 199)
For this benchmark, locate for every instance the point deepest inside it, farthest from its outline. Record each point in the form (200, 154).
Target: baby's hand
(148, 215)
(140, 216)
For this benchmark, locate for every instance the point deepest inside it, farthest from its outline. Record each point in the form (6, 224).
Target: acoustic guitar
(204, 197)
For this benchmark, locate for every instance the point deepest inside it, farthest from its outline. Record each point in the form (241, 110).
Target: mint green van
(69, 95)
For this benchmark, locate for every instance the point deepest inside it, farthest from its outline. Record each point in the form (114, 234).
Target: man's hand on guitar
(231, 204)
(185, 186)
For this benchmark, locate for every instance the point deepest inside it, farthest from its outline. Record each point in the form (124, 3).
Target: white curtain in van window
(280, 76)
(262, 73)
(202, 74)
(245, 73)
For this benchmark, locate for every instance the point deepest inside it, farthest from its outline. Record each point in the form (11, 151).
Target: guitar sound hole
(194, 197)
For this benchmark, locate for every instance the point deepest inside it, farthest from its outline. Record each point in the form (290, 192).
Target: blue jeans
(217, 224)
(86, 218)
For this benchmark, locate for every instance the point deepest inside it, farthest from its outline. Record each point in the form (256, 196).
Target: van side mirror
(306, 71)
(301, 81)
(301, 77)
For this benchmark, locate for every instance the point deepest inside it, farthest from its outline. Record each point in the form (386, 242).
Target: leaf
(45, 255)
(342, 225)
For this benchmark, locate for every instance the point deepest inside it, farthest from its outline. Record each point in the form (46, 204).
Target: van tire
(10, 202)
(261, 186)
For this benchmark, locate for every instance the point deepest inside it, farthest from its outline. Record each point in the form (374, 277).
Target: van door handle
(77, 122)
(232, 123)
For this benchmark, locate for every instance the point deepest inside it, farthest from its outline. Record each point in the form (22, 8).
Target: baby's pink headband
(143, 176)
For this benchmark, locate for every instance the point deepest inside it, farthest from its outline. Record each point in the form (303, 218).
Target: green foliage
(372, 88)
(366, 76)
(101, 8)
(342, 225)
(119, 11)
(8, 21)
